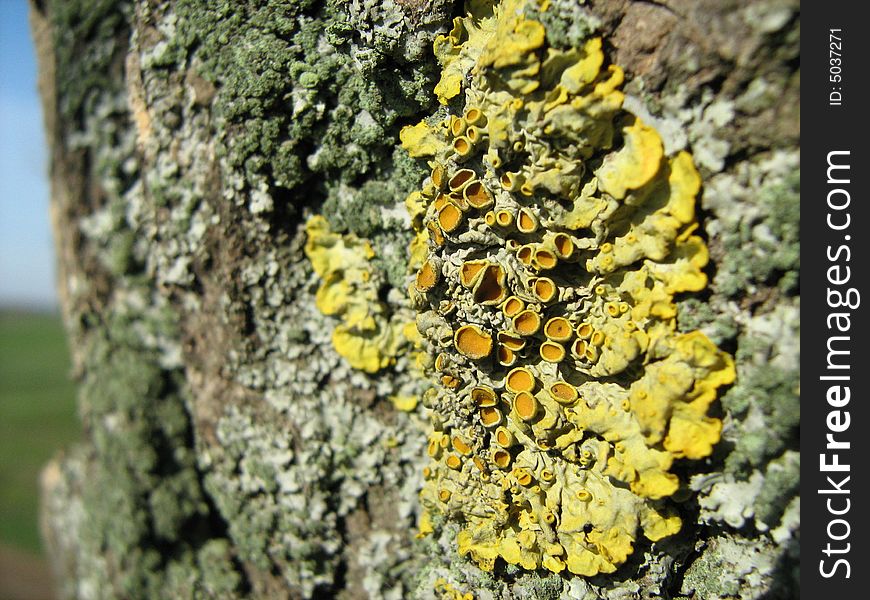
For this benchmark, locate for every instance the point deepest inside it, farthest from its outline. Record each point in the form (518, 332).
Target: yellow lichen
(366, 336)
(405, 403)
(445, 591)
(420, 140)
(561, 233)
(635, 164)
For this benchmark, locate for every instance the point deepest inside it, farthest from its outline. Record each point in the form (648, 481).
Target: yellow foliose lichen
(444, 590)
(366, 336)
(553, 234)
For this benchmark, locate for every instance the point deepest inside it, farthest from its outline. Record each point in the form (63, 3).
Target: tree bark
(228, 449)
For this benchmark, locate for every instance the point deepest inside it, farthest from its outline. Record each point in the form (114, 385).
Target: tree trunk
(229, 449)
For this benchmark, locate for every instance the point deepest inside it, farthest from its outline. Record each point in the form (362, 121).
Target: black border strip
(834, 308)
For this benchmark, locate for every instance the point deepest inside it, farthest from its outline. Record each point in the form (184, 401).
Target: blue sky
(26, 247)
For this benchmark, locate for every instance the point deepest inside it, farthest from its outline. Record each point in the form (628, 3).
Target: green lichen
(215, 574)
(295, 103)
(771, 394)
(781, 483)
(568, 23)
(544, 587)
(730, 567)
(763, 247)
(375, 211)
(694, 313)
(143, 493)
(90, 38)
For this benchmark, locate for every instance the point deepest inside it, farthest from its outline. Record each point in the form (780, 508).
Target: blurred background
(37, 402)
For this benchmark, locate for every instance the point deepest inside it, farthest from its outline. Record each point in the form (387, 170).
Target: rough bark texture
(228, 451)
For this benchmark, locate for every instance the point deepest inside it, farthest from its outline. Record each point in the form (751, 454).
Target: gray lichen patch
(568, 22)
(291, 469)
(766, 399)
(731, 567)
(758, 221)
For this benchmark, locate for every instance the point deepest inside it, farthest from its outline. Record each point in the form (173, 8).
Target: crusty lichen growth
(553, 234)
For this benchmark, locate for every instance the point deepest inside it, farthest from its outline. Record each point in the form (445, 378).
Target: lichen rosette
(553, 234)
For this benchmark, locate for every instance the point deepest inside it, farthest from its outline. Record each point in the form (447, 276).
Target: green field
(37, 416)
